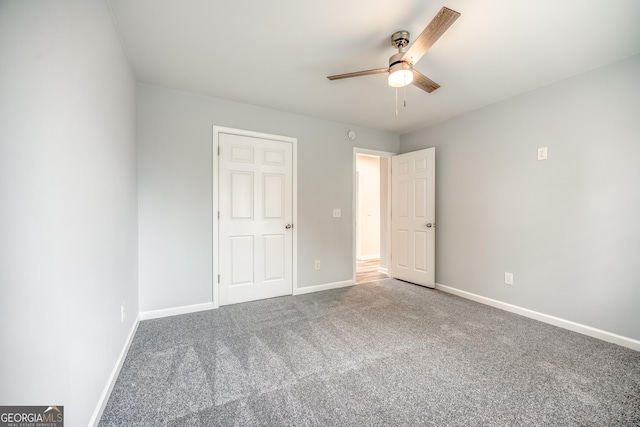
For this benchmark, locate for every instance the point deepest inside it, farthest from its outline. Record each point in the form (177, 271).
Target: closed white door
(413, 217)
(256, 214)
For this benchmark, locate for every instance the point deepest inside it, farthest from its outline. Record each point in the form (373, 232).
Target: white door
(413, 217)
(256, 215)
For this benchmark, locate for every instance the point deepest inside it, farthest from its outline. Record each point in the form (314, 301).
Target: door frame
(387, 225)
(215, 202)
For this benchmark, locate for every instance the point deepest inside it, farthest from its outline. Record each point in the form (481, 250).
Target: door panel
(420, 251)
(241, 259)
(273, 196)
(401, 255)
(412, 208)
(420, 201)
(255, 203)
(241, 192)
(274, 262)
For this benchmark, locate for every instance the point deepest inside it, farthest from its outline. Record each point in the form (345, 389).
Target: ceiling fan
(401, 72)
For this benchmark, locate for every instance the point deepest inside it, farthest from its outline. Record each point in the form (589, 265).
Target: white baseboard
(383, 270)
(104, 397)
(324, 287)
(552, 320)
(165, 312)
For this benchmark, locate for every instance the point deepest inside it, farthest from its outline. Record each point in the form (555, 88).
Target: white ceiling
(277, 53)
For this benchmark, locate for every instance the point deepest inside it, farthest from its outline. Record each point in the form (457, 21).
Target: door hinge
(218, 150)
(218, 214)
(218, 278)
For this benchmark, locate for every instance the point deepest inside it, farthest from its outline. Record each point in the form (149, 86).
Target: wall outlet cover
(508, 278)
(542, 153)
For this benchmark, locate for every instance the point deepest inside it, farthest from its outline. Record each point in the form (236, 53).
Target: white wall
(368, 168)
(67, 203)
(175, 191)
(568, 227)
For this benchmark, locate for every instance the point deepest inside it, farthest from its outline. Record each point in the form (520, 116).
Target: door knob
(429, 225)
(288, 226)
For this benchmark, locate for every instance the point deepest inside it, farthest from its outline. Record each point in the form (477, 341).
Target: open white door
(256, 217)
(413, 217)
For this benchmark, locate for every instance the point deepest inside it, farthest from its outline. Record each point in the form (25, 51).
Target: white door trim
(215, 203)
(356, 151)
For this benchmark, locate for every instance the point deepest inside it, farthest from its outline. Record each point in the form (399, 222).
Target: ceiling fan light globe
(400, 78)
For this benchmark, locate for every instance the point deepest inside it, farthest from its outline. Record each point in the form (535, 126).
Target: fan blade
(359, 73)
(424, 82)
(438, 25)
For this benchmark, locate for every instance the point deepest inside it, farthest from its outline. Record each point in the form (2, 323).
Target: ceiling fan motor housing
(397, 59)
(399, 39)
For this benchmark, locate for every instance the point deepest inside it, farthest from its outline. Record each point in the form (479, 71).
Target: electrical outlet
(542, 153)
(122, 313)
(508, 278)
(337, 212)
(317, 264)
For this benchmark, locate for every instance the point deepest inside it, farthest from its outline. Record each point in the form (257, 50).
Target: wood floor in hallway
(366, 271)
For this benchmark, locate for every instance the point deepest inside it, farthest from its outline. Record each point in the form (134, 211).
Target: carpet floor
(384, 353)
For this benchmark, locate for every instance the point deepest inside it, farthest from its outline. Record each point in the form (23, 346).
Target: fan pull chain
(396, 102)
(405, 96)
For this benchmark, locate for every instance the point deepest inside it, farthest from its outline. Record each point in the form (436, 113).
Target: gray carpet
(378, 354)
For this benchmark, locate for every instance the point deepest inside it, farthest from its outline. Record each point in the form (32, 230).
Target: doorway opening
(371, 202)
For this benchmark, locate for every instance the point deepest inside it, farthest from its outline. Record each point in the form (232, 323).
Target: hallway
(367, 271)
